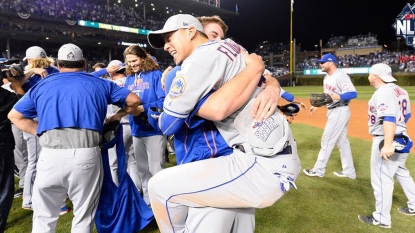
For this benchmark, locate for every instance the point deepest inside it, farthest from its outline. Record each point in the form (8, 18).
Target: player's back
(225, 63)
(73, 99)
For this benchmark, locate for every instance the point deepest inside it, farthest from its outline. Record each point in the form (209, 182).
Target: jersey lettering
(227, 51)
(330, 88)
(234, 46)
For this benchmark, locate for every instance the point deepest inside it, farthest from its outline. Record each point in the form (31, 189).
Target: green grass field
(330, 204)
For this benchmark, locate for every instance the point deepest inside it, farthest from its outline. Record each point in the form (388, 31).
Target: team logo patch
(42, 54)
(345, 87)
(70, 56)
(177, 87)
(382, 107)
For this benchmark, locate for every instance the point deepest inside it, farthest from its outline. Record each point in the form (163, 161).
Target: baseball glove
(320, 99)
(289, 109)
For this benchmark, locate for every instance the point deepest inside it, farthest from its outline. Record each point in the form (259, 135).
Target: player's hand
(290, 119)
(112, 118)
(313, 110)
(254, 60)
(40, 71)
(266, 103)
(303, 106)
(163, 77)
(138, 110)
(112, 68)
(387, 151)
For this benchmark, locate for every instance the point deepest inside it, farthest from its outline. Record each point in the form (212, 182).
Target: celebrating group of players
(235, 151)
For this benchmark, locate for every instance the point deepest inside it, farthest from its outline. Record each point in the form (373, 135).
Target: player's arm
(21, 122)
(291, 98)
(23, 113)
(235, 93)
(28, 74)
(131, 104)
(344, 96)
(389, 127)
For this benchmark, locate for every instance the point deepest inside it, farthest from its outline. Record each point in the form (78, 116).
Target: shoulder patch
(345, 87)
(177, 87)
(382, 107)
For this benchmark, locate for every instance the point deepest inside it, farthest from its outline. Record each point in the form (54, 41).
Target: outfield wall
(404, 79)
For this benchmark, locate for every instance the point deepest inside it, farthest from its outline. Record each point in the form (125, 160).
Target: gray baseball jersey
(338, 83)
(221, 62)
(388, 100)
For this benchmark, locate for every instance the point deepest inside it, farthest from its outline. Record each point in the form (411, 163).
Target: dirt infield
(358, 121)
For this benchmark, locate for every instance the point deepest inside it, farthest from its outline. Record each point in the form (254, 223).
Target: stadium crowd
(404, 59)
(85, 10)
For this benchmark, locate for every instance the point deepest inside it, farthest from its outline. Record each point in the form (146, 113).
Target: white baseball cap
(117, 63)
(174, 23)
(383, 71)
(70, 52)
(266, 138)
(35, 52)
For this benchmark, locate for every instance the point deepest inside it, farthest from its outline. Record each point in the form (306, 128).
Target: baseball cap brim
(387, 78)
(121, 68)
(155, 38)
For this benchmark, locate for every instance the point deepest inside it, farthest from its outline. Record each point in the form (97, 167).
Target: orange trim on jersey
(207, 142)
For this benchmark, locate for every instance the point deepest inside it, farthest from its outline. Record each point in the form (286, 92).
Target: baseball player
(37, 60)
(71, 107)
(389, 110)
(144, 80)
(229, 181)
(340, 87)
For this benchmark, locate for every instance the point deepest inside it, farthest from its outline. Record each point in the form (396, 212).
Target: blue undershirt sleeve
(407, 116)
(100, 72)
(389, 119)
(288, 96)
(169, 124)
(348, 95)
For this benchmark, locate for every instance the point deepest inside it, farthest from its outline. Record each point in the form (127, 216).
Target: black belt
(330, 108)
(375, 135)
(286, 151)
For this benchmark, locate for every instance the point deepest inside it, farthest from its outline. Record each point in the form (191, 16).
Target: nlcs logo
(405, 24)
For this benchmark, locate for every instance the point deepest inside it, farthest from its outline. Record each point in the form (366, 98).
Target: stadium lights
(180, 11)
(167, 7)
(136, 5)
(152, 4)
(167, 12)
(47, 38)
(154, 9)
(99, 42)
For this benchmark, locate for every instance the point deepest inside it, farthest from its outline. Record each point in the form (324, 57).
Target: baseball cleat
(372, 221)
(407, 211)
(310, 172)
(339, 174)
(18, 193)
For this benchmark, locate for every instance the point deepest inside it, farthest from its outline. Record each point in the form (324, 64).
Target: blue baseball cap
(328, 57)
